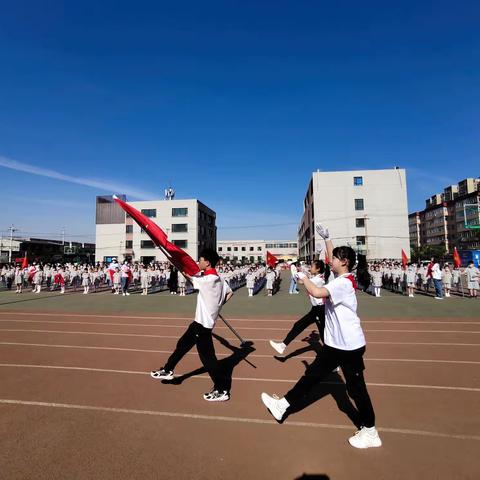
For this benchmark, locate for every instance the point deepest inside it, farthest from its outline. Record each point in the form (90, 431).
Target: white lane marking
(401, 431)
(298, 357)
(245, 379)
(448, 320)
(219, 327)
(232, 339)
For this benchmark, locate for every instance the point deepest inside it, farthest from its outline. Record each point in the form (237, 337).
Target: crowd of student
(123, 278)
(422, 277)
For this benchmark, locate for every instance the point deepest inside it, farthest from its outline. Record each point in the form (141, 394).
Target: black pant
(200, 336)
(352, 366)
(315, 315)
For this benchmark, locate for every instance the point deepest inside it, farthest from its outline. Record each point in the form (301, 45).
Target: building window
(147, 244)
(259, 249)
(360, 240)
(252, 249)
(179, 227)
(359, 204)
(220, 249)
(180, 243)
(129, 244)
(259, 259)
(360, 222)
(128, 228)
(179, 212)
(358, 181)
(149, 212)
(235, 249)
(243, 249)
(229, 249)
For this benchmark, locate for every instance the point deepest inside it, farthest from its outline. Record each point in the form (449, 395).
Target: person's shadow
(313, 346)
(227, 364)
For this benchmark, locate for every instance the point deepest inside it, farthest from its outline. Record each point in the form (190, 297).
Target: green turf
(280, 305)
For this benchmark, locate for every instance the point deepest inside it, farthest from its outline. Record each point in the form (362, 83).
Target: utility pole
(63, 236)
(12, 229)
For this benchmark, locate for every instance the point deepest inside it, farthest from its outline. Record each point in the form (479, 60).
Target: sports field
(77, 402)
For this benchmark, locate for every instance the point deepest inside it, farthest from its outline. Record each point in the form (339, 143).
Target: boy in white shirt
(213, 293)
(344, 346)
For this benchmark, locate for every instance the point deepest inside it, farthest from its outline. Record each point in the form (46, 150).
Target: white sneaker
(411, 296)
(438, 298)
(365, 438)
(127, 293)
(278, 346)
(276, 406)
(162, 374)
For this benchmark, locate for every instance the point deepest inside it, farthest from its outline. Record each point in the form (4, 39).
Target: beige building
(188, 223)
(255, 251)
(365, 209)
(444, 221)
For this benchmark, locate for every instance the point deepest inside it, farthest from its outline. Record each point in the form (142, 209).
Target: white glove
(300, 275)
(322, 231)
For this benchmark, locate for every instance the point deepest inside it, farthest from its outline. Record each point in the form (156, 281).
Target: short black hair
(210, 255)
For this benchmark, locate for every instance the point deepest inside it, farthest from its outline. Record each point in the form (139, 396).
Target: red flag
(271, 259)
(327, 260)
(175, 255)
(457, 261)
(25, 262)
(404, 259)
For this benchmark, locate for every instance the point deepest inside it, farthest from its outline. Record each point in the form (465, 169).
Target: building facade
(449, 218)
(255, 251)
(189, 224)
(364, 209)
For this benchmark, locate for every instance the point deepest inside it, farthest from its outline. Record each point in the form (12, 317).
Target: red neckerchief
(354, 283)
(210, 271)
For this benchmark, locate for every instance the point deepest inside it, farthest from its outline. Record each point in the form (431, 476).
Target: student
(344, 346)
(270, 281)
(316, 314)
(250, 278)
(377, 277)
(116, 281)
(213, 292)
(437, 279)
(447, 279)
(18, 279)
(411, 274)
(472, 279)
(182, 284)
(86, 281)
(145, 278)
(293, 282)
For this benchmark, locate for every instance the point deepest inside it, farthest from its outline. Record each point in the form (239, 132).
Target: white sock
(283, 403)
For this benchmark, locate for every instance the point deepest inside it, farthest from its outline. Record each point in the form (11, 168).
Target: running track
(76, 402)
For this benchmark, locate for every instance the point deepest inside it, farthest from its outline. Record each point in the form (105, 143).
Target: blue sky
(232, 102)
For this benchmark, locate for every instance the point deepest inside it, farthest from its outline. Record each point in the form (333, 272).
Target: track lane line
(245, 379)
(258, 421)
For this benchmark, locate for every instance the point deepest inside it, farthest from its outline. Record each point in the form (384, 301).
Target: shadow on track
(227, 364)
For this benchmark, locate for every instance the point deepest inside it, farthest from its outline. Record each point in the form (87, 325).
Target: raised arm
(323, 232)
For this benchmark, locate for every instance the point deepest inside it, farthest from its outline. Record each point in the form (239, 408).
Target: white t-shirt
(319, 282)
(436, 272)
(342, 325)
(212, 291)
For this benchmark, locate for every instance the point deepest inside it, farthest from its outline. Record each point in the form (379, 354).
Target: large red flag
(457, 261)
(404, 258)
(175, 255)
(271, 259)
(25, 261)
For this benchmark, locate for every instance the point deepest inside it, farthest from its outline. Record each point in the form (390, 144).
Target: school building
(450, 219)
(255, 251)
(364, 209)
(189, 224)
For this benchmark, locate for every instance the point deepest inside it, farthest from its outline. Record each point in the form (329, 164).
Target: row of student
(334, 307)
(422, 276)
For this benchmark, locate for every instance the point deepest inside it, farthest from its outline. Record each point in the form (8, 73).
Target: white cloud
(106, 187)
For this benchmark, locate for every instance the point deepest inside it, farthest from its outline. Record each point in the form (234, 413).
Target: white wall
(385, 207)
